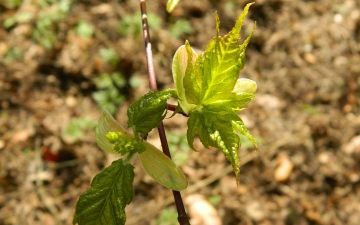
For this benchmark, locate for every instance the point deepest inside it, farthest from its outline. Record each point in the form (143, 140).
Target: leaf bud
(245, 85)
(113, 137)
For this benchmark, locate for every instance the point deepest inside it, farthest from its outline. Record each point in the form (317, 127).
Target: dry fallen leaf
(284, 169)
(353, 146)
(255, 210)
(201, 211)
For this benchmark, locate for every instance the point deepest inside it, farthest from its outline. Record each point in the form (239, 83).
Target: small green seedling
(208, 90)
(78, 126)
(181, 27)
(84, 29)
(108, 95)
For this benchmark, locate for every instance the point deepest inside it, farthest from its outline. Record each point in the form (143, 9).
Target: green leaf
(107, 124)
(147, 113)
(211, 93)
(240, 126)
(193, 79)
(217, 126)
(211, 76)
(235, 101)
(222, 63)
(162, 169)
(170, 5)
(104, 203)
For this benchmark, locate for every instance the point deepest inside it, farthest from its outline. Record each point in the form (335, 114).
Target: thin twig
(149, 59)
(182, 216)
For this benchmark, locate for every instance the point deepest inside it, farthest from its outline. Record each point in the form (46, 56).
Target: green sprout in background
(167, 217)
(131, 26)
(45, 20)
(179, 147)
(78, 126)
(180, 27)
(108, 95)
(109, 55)
(84, 29)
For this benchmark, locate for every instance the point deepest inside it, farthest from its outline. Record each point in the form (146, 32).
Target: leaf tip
(171, 4)
(217, 24)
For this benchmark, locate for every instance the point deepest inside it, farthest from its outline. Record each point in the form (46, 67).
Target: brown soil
(304, 56)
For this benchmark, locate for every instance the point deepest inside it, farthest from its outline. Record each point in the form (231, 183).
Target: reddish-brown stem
(182, 217)
(173, 108)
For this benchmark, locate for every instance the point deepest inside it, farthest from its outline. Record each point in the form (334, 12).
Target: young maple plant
(209, 91)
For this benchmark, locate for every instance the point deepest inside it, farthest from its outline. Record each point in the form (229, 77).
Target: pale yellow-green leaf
(107, 124)
(162, 169)
(170, 5)
(244, 85)
(179, 65)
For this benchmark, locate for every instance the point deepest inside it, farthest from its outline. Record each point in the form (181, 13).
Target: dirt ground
(304, 56)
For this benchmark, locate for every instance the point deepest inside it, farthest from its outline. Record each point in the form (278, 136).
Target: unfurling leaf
(211, 93)
(210, 78)
(148, 112)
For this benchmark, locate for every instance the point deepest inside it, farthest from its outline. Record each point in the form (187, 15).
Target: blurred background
(62, 61)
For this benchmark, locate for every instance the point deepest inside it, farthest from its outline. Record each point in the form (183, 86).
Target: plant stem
(182, 217)
(146, 34)
(173, 108)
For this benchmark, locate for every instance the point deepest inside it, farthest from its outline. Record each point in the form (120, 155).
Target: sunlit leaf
(179, 67)
(217, 127)
(148, 112)
(210, 78)
(223, 61)
(193, 79)
(162, 169)
(211, 91)
(170, 5)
